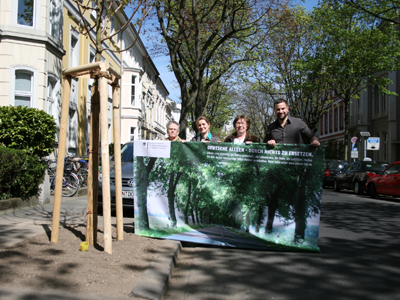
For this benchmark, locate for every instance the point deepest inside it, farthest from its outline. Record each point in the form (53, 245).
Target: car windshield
(339, 164)
(374, 167)
(127, 153)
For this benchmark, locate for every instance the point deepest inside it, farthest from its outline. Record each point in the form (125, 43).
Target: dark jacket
(197, 138)
(249, 138)
(294, 132)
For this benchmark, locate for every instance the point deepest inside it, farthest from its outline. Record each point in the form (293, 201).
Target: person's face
(173, 131)
(281, 110)
(241, 126)
(203, 126)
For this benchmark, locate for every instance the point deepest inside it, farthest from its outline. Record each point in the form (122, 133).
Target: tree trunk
(142, 183)
(185, 213)
(259, 217)
(171, 199)
(272, 206)
(300, 208)
(248, 221)
(192, 213)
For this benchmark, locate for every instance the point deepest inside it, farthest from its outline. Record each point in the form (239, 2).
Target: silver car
(127, 180)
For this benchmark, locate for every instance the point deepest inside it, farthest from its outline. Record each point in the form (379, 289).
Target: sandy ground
(38, 263)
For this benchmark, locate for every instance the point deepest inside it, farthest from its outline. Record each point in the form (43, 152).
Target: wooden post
(93, 176)
(117, 161)
(105, 159)
(62, 137)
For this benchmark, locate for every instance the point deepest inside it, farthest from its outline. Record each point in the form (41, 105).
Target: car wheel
(336, 186)
(357, 188)
(372, 190)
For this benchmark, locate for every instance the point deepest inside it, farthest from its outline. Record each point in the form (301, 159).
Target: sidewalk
(17, 225)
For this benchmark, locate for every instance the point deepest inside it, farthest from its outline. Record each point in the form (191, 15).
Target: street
(359, 259)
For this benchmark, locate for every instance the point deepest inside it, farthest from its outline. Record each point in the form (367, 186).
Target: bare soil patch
(38, 263)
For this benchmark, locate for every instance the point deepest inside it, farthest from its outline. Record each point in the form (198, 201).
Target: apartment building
(373, 113)
(38, 39)
(31, 53)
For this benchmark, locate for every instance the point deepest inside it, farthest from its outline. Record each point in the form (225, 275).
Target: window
(336, 110)
(341, 115)
(132, 134)
(73, 62)
(133, 94)
(376, 94)
(74, 51)
(23, 88)
(383, 101)
(118, 27)
(54, 99)
(25, 14)
(72, 130)
(53, 94)
(93, 11)
(384, 146)
(55, 20)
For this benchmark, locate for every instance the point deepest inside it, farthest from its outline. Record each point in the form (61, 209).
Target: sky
(168, 78)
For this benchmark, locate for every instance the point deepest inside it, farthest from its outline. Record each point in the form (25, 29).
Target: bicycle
(70, 181)
(81, 169)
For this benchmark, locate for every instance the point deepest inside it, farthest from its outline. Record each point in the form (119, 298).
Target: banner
(244, 196)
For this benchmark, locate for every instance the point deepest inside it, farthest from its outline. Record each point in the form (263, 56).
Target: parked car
(332, 167)
(388, 183)
(354, 176)
(127, 179)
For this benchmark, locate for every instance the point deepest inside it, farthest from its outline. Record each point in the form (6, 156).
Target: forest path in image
(219, 236)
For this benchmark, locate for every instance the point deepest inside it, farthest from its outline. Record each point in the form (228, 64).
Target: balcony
(356, 120)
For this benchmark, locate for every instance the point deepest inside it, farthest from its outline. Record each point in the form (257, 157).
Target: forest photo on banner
(244, 196)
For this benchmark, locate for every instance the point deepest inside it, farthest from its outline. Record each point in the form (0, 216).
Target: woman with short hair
(242, 134)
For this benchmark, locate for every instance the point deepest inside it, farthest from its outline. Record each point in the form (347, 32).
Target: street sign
(354, 139)
(373, 143)
(354, 154)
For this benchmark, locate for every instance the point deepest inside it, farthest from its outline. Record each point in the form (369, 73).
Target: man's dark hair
(280, 100)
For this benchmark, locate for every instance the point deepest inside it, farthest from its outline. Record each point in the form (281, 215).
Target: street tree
(99, 30)
(381, 10)
(256, 104)
(211, 35)
(281, 73)
(353, 51)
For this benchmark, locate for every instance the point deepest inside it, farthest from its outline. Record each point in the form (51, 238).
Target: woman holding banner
(242, 134)
(203, 124)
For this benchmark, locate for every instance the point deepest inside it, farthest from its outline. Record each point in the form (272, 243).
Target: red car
(387, 184)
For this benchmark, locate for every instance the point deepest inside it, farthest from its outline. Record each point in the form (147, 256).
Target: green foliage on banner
(242, 187)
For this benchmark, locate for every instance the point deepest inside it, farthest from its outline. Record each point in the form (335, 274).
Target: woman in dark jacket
(203, 124)
(242, 135)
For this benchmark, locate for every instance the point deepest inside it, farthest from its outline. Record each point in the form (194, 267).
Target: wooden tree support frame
(105, 75)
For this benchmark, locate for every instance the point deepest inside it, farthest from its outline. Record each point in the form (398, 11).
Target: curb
(154, 282)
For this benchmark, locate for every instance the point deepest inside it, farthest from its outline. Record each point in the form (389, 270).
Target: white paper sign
(354, 154)
(152, 148)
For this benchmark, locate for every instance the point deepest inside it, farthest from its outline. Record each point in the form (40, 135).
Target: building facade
(373, 113)
(38, 39)
(31, 53)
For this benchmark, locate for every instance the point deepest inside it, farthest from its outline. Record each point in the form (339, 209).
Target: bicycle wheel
(70, 185)
(83, 177)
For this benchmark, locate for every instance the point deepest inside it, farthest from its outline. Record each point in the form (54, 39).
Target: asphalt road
(359, 259)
